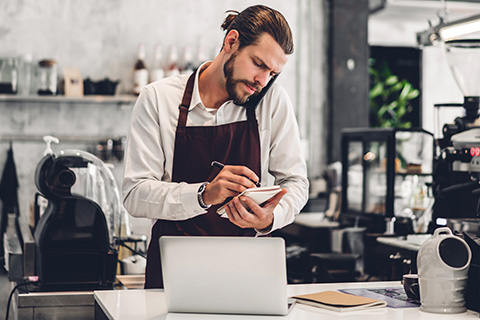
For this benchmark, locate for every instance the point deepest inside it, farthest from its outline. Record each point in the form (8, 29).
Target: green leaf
(391, 80)
(397, 87)
(392, 105)
(406, 89)
(406, 124)
(413, 94)
(385, 109)
(376, 90)
(401, 111)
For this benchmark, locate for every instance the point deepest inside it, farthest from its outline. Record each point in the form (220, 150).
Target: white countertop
(412, 242)
(150, 304)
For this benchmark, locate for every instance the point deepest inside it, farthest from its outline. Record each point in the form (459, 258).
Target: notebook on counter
(226, 275)
(339, 301)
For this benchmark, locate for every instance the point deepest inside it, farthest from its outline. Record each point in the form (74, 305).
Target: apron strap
(251, 114)
(187, 98)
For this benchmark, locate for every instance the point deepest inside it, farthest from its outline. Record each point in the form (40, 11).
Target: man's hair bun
(232, 14)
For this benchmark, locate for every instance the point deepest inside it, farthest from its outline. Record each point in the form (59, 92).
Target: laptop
(226, 275)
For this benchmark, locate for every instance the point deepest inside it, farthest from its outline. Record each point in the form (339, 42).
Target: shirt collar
(196, 100)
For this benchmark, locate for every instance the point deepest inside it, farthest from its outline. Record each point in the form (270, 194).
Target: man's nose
(262, 78)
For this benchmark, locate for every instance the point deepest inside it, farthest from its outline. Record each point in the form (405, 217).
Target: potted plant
(390, 97)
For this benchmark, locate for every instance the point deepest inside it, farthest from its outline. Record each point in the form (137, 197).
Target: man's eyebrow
(264, 65)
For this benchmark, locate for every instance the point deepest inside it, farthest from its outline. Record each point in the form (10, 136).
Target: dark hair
(252, 22)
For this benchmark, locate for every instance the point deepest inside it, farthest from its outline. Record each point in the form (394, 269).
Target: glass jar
(25, 75)
(8, 75)
(47, 77)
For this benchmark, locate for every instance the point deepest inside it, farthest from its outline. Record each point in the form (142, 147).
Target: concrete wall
(77, 125)
(102, 37)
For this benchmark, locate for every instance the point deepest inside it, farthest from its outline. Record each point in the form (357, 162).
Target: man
(168, 172)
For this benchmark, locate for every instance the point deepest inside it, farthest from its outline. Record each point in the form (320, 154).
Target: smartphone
(253, 101)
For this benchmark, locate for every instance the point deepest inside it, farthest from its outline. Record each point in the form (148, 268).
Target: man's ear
(231, 41)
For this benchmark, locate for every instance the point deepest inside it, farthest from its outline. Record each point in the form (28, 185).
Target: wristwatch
(200, 192)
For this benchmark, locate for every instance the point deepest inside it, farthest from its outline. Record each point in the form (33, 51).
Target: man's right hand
(230, 182)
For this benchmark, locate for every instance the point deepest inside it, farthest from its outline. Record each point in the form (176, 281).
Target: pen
(220, 166)
(217, 165)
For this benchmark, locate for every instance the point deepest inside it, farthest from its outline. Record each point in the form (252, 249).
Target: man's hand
(230, 182)
(258, 217)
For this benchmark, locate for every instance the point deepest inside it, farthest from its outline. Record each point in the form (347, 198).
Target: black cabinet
(386, 172)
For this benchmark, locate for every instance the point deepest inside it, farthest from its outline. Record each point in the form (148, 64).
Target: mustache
(254, 85)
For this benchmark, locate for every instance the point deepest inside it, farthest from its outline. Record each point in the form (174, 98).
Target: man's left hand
(259, 217)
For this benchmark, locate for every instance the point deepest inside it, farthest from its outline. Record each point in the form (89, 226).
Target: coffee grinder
(463, 59)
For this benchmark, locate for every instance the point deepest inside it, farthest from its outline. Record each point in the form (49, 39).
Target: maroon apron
(196, 147)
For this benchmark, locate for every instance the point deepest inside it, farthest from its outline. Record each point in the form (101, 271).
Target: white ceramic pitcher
(443, 263)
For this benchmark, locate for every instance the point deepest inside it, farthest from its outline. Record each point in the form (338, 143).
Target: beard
(231, 84)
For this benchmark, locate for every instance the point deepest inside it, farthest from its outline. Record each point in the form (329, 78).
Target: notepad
(339, 301)
(259, 195)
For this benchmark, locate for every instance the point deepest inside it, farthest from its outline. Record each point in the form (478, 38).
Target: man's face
(249, 69)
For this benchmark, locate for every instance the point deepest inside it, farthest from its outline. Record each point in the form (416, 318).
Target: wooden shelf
(120, 99)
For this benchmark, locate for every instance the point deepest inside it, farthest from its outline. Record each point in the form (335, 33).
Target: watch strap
(201, 190)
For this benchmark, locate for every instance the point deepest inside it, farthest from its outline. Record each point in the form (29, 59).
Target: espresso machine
(74, 236)
(456, 175)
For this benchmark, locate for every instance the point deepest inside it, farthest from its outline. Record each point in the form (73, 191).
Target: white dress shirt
(148, 189)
